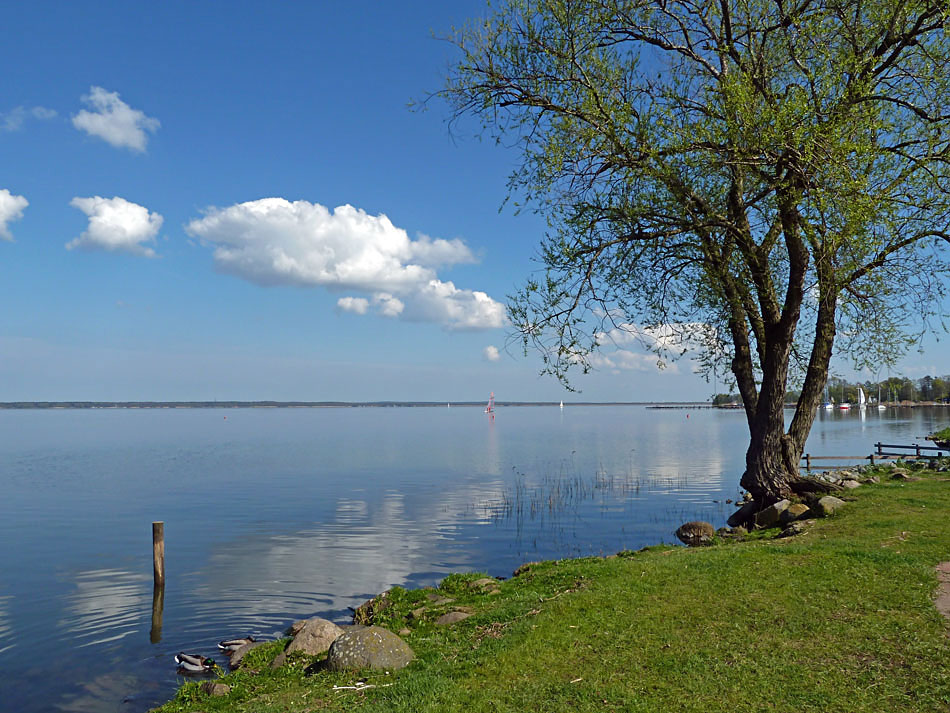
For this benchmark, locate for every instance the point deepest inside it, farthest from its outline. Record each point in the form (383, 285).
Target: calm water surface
(272, 515)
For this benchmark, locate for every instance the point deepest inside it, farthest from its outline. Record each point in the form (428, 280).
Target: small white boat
(862, 399)
(562, 405)
(844, 406)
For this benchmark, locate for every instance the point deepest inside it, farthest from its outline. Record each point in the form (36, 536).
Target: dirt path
(943, 589)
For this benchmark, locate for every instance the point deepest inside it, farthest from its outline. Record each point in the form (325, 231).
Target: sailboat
(827, 404)
(562, 405)
(490, 408)
(862, 399)
(880, 406)
(844, 405)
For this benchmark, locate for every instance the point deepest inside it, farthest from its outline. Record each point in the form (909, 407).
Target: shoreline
(714, 626)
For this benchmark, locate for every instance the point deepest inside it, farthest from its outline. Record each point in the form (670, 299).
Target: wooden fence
(915, 451)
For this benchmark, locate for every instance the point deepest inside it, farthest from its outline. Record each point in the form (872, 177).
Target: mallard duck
(229, 646)
(194, 663)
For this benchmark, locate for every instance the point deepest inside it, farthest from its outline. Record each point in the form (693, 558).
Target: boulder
(437, 599)
(742, 515)
(826, 506)
(451, 618)
(367, 612)
(313, 638)
(770, 516)
(793, 512)
(213, 688)
(850, 484)
(368, 647)
(238, 654)
(486, 585)
(873, 479)
(696, 533)
(795, 528)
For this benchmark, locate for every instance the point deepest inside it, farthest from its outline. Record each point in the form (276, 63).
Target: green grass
(838, 619)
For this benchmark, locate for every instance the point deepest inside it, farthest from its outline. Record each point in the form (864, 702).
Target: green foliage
(759, 183)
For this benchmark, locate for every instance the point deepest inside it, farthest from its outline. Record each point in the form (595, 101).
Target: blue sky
(171, 182)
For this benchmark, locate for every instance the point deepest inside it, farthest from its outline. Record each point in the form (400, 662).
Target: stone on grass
(367, 612)
(368, 647)
(742, 515)
(795, 528)
(213, 688)
(793, 512)
(850, 484)
(313, 638)
(486, 585)
(696, 533)
(770, 516)
(238, 654)
(451, 618)
(826, 506)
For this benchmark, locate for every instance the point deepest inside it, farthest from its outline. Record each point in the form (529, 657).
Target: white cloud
(114, 121)
(491, 353)
(673, 338)
(356, 305)
(388, 305)
(273, 241)
(116, 225)
(11, 208)
(14, 119)
(624, 360)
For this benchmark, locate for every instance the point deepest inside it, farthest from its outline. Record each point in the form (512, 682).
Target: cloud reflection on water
(107, 605)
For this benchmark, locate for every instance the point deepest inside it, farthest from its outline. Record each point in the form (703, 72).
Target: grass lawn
(840, 618)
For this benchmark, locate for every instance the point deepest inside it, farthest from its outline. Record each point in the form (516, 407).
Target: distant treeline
(282, 404)
(894, 389)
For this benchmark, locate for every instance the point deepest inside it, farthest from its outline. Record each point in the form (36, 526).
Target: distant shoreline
(24, 405)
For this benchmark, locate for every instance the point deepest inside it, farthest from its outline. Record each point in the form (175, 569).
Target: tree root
(809, 486)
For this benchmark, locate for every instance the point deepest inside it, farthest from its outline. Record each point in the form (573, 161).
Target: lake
(273, 515)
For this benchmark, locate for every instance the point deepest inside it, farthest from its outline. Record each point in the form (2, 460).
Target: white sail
(862, 399)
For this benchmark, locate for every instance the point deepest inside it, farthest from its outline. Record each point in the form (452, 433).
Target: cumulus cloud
(356, 305)
(14, 119)
(11, 208)
(116, 225)
(273, 241)
(114, 121)
(491, 353)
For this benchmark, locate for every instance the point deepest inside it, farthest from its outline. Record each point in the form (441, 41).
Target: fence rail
(915, 451)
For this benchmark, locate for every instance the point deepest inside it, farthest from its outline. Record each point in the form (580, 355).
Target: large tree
(766, 180)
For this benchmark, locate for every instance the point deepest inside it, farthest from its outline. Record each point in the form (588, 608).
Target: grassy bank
(840, 618)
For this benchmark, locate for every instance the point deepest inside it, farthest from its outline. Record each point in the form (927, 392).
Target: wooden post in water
(158, 552)
(808, 462)
(158, 607)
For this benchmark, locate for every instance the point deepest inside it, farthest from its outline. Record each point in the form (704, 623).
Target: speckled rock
(696, 533)
(368, 647)
(850, 484)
